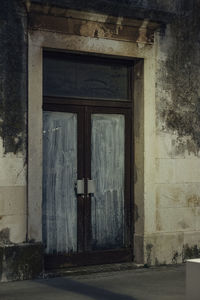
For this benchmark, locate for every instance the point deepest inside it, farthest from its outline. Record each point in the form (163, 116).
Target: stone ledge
(20, 261)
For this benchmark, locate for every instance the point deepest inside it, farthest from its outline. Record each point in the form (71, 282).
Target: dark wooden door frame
(85, 256)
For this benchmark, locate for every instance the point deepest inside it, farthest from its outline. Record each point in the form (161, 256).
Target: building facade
(99, 133)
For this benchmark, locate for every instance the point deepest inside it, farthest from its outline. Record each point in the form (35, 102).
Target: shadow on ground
(83, 289)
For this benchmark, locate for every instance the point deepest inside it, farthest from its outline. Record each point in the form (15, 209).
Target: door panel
(107, 171)
(59, 177)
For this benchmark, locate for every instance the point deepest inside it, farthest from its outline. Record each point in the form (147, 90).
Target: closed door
(86, 178)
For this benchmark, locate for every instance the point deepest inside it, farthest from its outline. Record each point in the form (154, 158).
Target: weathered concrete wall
(167, 192)
(13, 99)
(175, 232)
(126, 8)
(168, 209)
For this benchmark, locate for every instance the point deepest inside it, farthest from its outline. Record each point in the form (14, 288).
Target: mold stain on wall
(178, 78)
(5, 236)
(12, 76)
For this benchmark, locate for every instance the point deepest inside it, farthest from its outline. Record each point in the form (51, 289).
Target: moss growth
(21, 262)
(13, 77)
(148, 250)
(178, 79)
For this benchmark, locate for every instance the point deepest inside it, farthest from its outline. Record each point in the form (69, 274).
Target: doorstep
(85, 270)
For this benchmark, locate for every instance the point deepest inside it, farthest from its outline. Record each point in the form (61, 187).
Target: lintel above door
(83, 23)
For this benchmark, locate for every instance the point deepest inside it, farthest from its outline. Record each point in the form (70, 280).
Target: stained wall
(174, 234)
(167, 213)
(13, 108)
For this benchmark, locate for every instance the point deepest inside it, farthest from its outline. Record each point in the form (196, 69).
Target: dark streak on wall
(20, 262)
(158, 10)
(13, 75)
(178, 77)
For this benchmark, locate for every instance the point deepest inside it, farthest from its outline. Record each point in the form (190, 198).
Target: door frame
(144, 118)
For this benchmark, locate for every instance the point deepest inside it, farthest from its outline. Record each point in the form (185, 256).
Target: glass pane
(107, 168)
(75, 77)
(59, 177)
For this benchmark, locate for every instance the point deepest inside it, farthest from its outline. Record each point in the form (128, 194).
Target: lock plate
(80, 187)
(90, 186)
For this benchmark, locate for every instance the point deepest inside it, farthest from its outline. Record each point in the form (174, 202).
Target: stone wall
(13, 107)
(170, 212)
(175, 232)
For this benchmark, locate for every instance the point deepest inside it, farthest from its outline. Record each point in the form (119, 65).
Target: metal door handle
(80, 186)
(80, 190)
(90, 186)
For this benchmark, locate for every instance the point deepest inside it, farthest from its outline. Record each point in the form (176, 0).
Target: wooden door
(86, 141)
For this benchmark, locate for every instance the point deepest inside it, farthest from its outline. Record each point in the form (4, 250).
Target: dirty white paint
(107, 168)
(59, 178)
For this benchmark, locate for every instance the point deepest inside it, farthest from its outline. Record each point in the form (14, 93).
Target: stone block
(165, 171)
(163, 248)
(178, 195)
(12, 200)
(139, 249)
(187, 170)
(163, 147)
(16, 227)
(14, 171)
(175, 219)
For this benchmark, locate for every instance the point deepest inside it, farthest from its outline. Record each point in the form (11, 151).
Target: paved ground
(163, 283)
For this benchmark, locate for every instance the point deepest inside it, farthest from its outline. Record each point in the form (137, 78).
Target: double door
(86, 159)
(86, 184)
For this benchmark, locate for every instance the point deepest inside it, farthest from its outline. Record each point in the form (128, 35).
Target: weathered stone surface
(177, 132)
(153, 10)
(178, 75)
(19, 262)
(13, 77)
(109, 28)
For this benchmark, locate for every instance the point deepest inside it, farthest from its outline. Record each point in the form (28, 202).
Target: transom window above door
(78, 76)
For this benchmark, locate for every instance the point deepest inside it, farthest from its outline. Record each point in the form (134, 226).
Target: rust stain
(157, 199)
(183, 224)
(93, 29)
(193, 201)
(107, 30)
(176, 195)
(144, 37)
(158, 221)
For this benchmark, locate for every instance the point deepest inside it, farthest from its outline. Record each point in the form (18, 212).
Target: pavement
(159, 283)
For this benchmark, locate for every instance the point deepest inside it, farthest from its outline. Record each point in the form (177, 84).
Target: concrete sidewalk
(161, 283)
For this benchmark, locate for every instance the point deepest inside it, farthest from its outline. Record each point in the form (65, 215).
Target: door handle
(90, 186)
(80, 187)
